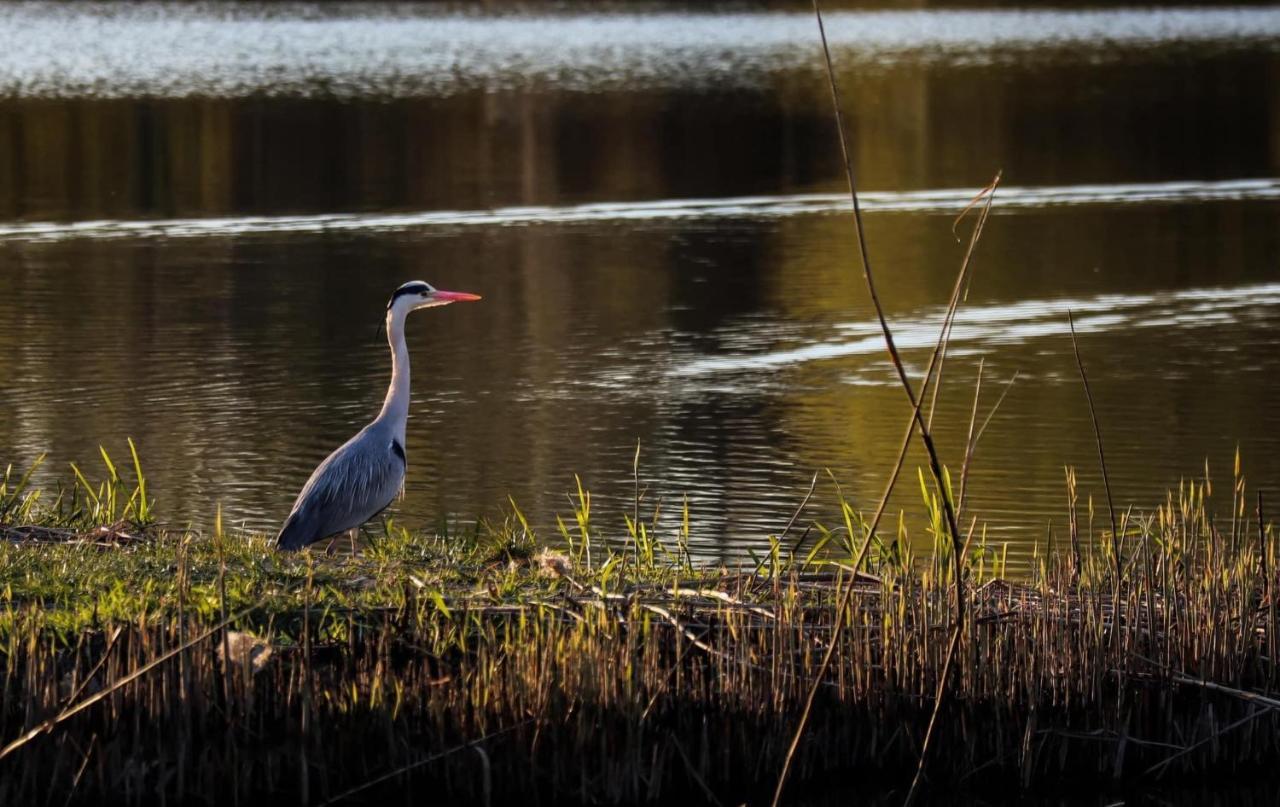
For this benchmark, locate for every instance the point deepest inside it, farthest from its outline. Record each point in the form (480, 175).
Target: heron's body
(364, 475)
(354, 483)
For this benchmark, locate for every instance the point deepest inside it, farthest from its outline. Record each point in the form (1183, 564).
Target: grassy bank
(142, 664)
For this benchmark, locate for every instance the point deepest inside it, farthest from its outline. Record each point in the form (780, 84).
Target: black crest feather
(412, 287)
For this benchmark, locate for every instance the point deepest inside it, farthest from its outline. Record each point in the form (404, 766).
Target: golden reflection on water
(237, 363)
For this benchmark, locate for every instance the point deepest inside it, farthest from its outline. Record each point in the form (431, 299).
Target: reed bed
(173, 666)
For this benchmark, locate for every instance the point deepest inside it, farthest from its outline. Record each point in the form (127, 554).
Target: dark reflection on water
(916, 127)
(736, 346)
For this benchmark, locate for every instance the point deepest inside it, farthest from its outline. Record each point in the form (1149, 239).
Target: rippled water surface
(203, 209)
(355, 49)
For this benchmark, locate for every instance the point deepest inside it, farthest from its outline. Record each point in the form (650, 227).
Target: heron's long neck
(395, 409)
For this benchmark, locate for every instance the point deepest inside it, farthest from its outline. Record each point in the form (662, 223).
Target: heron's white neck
(395, 409)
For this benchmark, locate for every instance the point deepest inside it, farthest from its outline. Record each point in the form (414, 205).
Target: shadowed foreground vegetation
(144, 664)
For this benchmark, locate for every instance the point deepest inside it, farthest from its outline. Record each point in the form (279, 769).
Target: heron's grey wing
(352, 485)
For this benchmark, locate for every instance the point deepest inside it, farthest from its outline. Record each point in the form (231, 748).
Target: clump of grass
(17, 500)
(105, 503)
(183, 666)
(111, 510)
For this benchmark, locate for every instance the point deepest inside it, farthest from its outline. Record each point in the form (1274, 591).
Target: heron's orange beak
(455, 296)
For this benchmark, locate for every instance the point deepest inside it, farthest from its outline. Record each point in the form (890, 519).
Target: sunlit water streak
(1007, 323)
(131, 50)
(743, 207)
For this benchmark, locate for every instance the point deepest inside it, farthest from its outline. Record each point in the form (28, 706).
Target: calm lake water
(203, 210)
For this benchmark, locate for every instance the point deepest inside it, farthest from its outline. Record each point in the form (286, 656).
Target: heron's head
(418, 294)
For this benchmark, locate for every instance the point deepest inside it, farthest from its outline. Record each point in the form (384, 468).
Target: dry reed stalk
(72, 711)
(401, 771)
(914, 401)
(1116, 538)
(813, 484)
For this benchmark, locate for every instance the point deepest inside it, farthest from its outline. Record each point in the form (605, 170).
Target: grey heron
(364, 475)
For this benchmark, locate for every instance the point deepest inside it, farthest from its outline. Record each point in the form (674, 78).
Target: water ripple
(1011, 323)
(741, 207)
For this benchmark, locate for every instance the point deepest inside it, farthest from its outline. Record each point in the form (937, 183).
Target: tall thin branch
(939, 348)
(1102, 456)
(935, 466)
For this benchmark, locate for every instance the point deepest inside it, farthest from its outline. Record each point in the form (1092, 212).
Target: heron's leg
(353, 534)
(329, 548)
